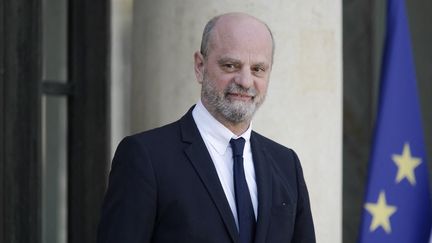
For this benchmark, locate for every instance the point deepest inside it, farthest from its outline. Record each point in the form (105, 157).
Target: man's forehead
(239, 46)
(240, 29)
(239, 33)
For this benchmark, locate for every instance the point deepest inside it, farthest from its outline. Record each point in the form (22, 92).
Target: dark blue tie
(245, 212)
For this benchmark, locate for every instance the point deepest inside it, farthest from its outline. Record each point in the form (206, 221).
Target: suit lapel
(198, 155)
(262, 164)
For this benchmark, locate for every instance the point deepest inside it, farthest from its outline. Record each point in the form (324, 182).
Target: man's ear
(199, 66)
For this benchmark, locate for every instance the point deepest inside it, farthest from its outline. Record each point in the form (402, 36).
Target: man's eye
(229, 66)
(258, 69)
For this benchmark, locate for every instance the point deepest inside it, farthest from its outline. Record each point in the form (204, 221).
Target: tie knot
(237, 146)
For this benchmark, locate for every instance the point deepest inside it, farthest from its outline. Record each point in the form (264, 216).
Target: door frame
(21, 89)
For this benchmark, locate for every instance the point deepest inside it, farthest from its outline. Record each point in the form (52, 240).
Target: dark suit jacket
(163, 187)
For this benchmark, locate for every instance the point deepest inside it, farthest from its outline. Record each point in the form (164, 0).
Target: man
(208, 177)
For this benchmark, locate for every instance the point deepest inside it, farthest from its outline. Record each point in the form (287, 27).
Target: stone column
(303, 109)
(121, 65)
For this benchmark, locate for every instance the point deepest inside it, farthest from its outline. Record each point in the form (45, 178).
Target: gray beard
(234, 111)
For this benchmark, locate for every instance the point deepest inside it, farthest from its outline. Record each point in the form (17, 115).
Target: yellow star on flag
(406, 165)
(381, 213)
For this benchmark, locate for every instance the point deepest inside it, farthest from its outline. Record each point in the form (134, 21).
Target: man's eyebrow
(260, 64)
(224, 60)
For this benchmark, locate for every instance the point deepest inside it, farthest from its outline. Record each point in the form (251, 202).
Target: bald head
(228, 22)
(234, 67)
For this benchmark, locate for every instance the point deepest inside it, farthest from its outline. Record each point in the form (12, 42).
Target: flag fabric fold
(397, 205)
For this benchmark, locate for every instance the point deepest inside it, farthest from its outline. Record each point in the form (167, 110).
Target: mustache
(238, 89)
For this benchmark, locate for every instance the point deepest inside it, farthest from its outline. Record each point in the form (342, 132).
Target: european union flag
(397, 205)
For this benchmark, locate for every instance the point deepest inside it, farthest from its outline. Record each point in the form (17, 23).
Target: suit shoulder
(138, 141)
(270, 144)
(165, 132)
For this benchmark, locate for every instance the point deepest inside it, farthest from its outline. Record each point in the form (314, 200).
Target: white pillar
(121, 65)
(303, 109)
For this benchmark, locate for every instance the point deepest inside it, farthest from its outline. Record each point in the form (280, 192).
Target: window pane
(54, 40)
(54, 169)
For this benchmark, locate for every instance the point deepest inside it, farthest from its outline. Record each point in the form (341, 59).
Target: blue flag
(397, 205)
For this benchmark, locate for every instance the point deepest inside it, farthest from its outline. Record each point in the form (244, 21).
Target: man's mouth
(240, 96)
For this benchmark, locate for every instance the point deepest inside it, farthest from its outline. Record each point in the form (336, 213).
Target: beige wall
(304, 105)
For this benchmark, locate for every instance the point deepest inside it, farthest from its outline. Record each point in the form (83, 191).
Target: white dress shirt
(217, 140)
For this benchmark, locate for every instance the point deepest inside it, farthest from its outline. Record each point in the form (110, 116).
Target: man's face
(236, 72)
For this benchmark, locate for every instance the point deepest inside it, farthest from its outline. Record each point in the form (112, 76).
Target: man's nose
(244, 78)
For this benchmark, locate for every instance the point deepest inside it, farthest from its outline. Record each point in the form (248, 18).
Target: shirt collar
(219, 135)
